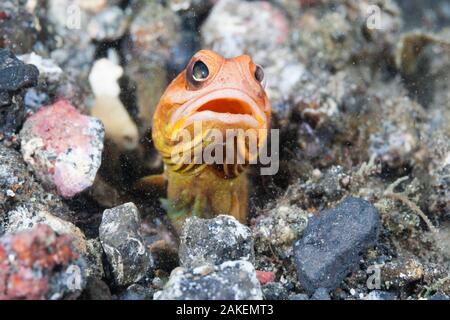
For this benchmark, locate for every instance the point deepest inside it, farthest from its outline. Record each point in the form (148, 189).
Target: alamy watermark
(234, 146)
(373, 21)
(74, 278)
(374, 277)
(73, 17)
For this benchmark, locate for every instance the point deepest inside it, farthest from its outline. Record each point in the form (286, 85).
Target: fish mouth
(228, 106)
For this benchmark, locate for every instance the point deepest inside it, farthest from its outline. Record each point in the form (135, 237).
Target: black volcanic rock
(14, 75)
(333, 241)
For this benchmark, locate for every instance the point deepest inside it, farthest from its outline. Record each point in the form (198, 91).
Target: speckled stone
(214, 241)
(63, 148)
(232, 280)
(124, 245)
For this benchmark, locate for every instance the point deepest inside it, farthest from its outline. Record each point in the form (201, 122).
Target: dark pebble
(14, 75)
(333, 242)
(124, 246)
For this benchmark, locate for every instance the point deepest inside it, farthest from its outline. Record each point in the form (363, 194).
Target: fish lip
(257, 117)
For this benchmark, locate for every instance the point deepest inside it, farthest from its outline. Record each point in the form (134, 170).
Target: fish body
(220, 96)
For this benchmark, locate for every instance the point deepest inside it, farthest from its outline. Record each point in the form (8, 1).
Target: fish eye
(259, 73)
(200, 71)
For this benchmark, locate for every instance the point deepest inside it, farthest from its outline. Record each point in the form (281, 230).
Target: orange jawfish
(215, 107)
